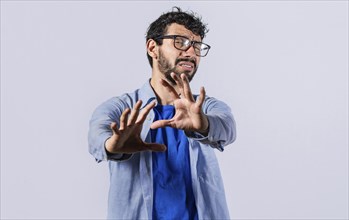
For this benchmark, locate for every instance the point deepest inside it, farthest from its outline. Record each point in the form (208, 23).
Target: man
(160, 139)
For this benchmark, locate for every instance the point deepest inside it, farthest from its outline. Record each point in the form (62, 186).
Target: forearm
(99, 127)
(221, 129)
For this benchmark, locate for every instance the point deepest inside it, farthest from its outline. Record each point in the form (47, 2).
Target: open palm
(189, 115)
(126, 138)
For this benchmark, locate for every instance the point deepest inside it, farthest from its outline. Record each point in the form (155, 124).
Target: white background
(281, 65)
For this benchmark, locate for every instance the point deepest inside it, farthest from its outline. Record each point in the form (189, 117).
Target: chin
(190, 75)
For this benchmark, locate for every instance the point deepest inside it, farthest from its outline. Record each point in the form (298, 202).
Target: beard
(166, 68)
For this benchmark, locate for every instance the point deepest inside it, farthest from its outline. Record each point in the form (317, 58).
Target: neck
(161, 91)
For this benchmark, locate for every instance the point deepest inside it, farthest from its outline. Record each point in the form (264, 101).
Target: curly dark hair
(189, 20)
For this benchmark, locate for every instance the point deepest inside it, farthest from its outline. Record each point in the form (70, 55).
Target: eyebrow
(187, 37)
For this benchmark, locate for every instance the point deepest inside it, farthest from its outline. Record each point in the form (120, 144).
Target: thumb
(155, 147)
(160, 124)
(114, 128)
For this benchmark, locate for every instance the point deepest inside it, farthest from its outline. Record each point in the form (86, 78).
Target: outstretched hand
(189, 115)
(126, 138)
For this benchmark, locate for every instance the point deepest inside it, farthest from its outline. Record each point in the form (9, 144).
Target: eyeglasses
(184, 43)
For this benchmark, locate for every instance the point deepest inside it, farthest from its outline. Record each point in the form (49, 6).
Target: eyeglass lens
(183, 43)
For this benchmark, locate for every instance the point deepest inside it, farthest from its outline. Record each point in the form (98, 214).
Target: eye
(182, 42)
(198, 46)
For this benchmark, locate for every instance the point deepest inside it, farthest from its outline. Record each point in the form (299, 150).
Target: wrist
(205, 128)
(108, 146)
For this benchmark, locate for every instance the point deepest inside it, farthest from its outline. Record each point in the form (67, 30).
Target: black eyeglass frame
(191, 43)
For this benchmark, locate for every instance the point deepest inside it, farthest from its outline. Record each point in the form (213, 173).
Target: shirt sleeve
(222, 127)
(100, 131)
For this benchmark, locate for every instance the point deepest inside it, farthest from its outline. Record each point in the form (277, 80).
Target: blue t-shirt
(172, 185)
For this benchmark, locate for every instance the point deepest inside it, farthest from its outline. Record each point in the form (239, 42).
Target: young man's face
(178, 61)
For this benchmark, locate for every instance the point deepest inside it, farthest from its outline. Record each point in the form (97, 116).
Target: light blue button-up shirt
(131, 181)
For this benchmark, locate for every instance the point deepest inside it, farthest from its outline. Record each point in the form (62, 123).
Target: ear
(152, 48)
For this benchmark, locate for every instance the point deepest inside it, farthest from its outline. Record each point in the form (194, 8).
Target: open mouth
(186, 65)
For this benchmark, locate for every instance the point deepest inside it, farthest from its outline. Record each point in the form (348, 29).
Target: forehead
(177, 29)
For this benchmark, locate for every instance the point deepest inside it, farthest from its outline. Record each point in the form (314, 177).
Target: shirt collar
(146, 94)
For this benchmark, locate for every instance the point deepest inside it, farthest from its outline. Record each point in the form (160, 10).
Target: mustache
(186, 60)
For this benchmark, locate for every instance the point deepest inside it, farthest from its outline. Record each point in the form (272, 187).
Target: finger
(186, 88)
(171, 91)
(160, 124)
(114, 128)
(178, 81)
(200, 100)
(123, 119)
(144, 113)
(155, 147)
(134, 113)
